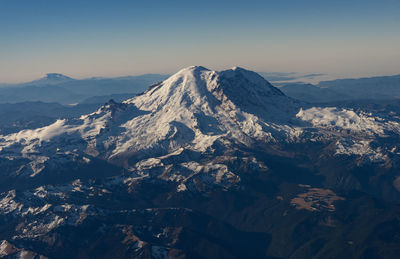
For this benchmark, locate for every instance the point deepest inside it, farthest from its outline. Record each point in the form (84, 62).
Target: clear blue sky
(110, 38)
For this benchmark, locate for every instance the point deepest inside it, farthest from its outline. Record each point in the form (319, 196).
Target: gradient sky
(110, 38)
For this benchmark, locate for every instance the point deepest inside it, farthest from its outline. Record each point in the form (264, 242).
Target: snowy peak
(197, 86)
(196, 106)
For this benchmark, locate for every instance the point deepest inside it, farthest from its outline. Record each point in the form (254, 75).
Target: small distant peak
(50, 79)
(56, 76)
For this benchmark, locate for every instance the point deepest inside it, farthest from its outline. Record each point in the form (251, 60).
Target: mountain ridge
(67, 91)
(367, 88)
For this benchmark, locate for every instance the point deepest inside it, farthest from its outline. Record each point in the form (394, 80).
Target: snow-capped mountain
(51, 79)
(197, 109)
(192, 135)
(192, 109)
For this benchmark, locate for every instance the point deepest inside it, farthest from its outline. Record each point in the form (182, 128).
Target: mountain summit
(196, 106)
(199, 88)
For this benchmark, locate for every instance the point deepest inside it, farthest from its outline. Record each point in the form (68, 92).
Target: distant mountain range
(373, 88)
(282, 77)
(48, 79)
(65, 90)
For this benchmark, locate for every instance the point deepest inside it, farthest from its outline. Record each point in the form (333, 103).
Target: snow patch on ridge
(355, 131)
(333, 117)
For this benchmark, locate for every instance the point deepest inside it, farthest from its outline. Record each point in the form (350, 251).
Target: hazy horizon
(275, 77)
(85, 39)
